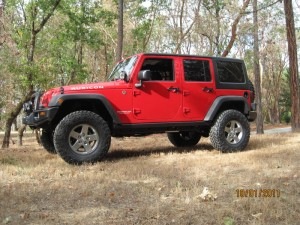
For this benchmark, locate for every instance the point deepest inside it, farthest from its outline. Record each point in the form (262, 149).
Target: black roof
(185, 55)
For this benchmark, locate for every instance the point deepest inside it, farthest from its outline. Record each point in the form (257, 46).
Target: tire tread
(217, 136)
(67, 123)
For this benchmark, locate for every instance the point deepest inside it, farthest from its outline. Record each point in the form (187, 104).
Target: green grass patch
(9, 160)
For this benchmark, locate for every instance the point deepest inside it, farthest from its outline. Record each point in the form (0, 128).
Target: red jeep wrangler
(185, 96)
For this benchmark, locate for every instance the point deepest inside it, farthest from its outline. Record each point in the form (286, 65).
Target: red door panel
(156, 103)
(198, 88)
(159, 99)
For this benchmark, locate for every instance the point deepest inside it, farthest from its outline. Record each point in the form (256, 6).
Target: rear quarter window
(230, 72)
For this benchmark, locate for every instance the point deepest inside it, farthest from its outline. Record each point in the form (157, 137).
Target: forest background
(47, 43)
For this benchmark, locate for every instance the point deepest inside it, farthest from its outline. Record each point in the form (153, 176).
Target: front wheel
(230, 132)
(184, 138)
(82, 136)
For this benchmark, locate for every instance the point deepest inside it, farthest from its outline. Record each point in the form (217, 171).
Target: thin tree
(2, 37)
(234, 28)
(2, 3)
(293, 64)
(257, 83)
(185, 33)
(120, 31)
(34, 30)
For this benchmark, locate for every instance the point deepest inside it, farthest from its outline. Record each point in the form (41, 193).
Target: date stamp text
(257, 193)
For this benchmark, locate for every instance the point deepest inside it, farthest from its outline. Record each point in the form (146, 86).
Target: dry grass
(147, 181)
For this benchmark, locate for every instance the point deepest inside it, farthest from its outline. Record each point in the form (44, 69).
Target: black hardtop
(215, 58)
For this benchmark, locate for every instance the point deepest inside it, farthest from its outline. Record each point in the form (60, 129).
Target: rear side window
(230, 72)
(196, 70)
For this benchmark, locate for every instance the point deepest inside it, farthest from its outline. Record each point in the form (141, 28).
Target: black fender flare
(57, 100)
(217, 104)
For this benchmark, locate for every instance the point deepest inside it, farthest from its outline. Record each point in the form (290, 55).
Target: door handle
(173, 89)
(207, 89)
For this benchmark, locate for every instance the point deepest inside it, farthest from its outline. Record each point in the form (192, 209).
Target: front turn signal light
(60, 101)
(42, 114)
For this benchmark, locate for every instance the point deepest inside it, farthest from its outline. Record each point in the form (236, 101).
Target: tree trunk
(11, 117)
(30, 61)
(146, 40)
(15, 112)
(20, 134)
(7, 131)
(73, 72)
(218, 18)
(2, 4)
(2, 36)
(257, 83)
(183, 34)
(120, 32)
(293, 64)
(106, 61)
(80, 53)
(234, 28)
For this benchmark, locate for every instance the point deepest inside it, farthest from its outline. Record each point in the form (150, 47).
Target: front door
(159, 99)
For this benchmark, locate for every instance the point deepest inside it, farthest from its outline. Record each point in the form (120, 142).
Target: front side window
(196, 70)
(230, 72)
(161, 69)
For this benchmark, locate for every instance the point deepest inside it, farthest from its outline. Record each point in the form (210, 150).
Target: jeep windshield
(123, 66)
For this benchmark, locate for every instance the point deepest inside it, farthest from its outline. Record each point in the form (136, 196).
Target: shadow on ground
(134, 153)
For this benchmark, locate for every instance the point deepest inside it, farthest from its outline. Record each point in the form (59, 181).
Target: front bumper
(38, 118)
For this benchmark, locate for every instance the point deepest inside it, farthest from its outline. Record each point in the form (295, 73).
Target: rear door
(198, 87)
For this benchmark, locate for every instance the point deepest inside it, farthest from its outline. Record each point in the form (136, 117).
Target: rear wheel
(82, 136)
(230, 132)
(184, 138)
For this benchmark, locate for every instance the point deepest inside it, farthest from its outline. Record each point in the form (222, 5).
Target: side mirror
(143, 75)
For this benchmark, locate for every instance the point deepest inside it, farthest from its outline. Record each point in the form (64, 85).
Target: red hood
(80, 88)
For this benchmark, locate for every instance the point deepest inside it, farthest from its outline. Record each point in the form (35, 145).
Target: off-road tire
(82, 136)
(47, 141)
(184, 138)
(230, 132)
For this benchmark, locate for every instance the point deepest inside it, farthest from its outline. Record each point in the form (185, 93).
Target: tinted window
(196, 70)
(230, 72)
(161, 69)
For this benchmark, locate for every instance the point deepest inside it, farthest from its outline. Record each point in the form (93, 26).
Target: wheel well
(73, 105)
(237, 105)
(224, 104)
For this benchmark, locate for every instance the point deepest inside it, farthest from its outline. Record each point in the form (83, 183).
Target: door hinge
(136, 93)
(137, 111)
(186, 110)
(186, 93)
